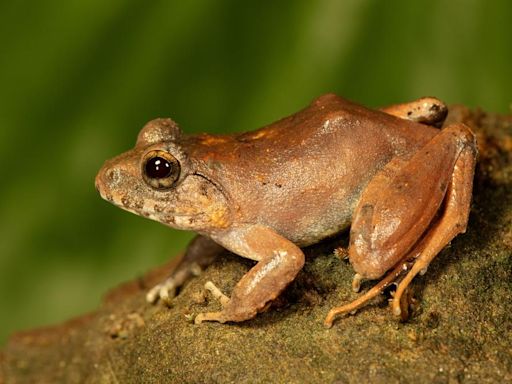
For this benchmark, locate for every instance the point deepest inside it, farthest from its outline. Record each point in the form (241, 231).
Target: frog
(397, 179)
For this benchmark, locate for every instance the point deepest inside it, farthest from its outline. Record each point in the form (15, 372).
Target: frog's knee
(369, 266)
(463, 135)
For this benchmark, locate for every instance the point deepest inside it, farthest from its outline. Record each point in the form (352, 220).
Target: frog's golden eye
(160, 169)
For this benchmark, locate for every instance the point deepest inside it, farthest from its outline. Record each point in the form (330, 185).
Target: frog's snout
(99, 182)
(96, 184)
(107, 179)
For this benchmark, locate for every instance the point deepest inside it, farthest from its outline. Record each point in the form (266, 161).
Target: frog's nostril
(111, 175)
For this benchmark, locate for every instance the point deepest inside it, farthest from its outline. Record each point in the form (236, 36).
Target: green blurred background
(78, 79)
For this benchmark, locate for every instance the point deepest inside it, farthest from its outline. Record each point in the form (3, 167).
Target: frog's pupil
(158, 168)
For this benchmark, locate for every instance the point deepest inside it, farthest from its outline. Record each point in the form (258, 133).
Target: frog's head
(157, 179)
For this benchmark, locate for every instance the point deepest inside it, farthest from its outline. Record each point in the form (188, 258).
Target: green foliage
(79, 78)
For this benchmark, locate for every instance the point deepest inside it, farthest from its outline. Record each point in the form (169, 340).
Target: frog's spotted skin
(264, 194)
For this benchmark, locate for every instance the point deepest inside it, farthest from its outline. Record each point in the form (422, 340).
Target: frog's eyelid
(158, 130)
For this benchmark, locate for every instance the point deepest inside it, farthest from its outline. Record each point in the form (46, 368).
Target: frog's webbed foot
(200, 253)
(427, 213)
(279, 261)
(427, 110)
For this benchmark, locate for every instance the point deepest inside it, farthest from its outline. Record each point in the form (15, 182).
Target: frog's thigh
(427, 110)
(452, 221)
(279, 262)
(400, 202)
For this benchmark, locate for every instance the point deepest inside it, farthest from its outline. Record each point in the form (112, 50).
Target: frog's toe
(217, 293)
(165, 292)
(377, 289)
(153, 294)
(356, 282)
(221, 316)
(209, 316)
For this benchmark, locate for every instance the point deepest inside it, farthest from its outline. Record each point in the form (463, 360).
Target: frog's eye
(160, 169)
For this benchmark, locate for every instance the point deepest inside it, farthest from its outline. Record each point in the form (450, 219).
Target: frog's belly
(315, 232)
(313, 214)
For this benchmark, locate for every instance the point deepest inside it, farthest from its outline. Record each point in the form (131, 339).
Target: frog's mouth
(152, 211)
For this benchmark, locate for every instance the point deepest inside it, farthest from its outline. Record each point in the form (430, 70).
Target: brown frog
(402, 185)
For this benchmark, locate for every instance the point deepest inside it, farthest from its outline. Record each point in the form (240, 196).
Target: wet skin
(402, 185)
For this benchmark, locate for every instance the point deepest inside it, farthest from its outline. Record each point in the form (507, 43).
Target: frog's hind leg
(394, 221)
(453, 221)
(427, 110)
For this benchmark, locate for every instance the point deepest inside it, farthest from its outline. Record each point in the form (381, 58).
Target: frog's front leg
(409, 211)
(427, 110)
(200, 253)
(279, 261)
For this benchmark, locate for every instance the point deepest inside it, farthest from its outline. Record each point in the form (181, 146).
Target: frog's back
(331, 127)
(303, 174)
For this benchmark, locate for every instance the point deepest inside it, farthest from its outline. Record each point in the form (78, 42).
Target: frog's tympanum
(400, 183)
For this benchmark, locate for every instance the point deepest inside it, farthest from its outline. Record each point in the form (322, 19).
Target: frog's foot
(164, 291)
(351, 307)
(213, 316)
(226, 313)
(427, 110)
(200, 253)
